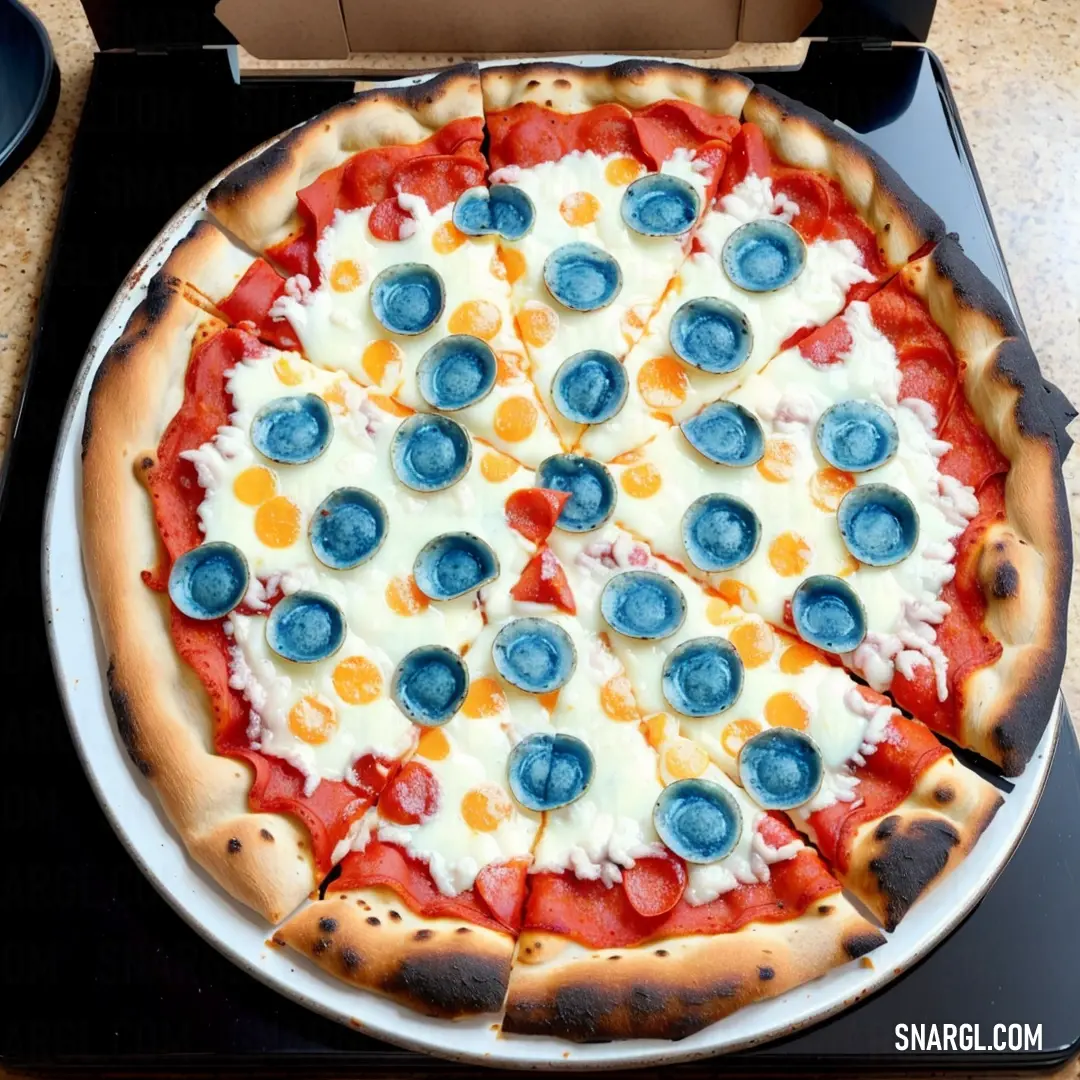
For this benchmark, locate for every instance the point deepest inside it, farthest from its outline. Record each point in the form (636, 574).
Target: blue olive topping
(878, 524)
(547, 771)
(727, 434)
(702, 677)
(430, 452)
(502, 210)
(828, 614)
(698, 820)
(456, 372)
(208, 581)
(720, 532)
(659, 204)
(454, 564)
(292, 430)
(590, 387)
(711, 335)
(408, 298)
(591, 488)
(643, 604)
(347, 528)
(582, 277)
(305, 627)
(429, 685)
(856, 436)
(535, 655)
(780, 768)
(763, 256)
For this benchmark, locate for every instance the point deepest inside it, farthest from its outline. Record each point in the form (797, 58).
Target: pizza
(550, 529)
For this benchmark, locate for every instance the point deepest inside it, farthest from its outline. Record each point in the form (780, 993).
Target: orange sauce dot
(510, 367)
(480, 318)
(485, 698)
(515, 419)
(736, 593)
(848, 566)
(549, 701)
(683, 760)
(389, 405)
(312, 720)
(433, 744)
(719, 612)
(656, 728)
(580, 208)
(286, 373)
(754, 642)
(404, 598)
(448, 237)
(798, 657)
(255, 485)
(828, 486)
(334, 394)
(496, 467)
(787, 710)
(622, 170)
(277, 522)
(789, 554)
(484, 809)
(617, 699)
(736, 733)
(662, 382)
(378, 358)
(508, 264)
(358, 681)
(345, 276)
(641, 481)
(778, 463)
(537, 324)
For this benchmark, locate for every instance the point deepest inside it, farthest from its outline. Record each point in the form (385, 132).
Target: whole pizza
(550, 528)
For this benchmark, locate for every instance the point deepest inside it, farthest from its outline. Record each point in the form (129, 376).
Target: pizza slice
(805, 218)
(356, 209)
(895, 810)
(589, 151)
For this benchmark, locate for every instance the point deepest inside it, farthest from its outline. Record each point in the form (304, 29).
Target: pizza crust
(163, 714)
(1024, 565)
(257, 201)
(801, 136)
(632, 83)
(668, 989)
(896, 859)
(369, 938)
(209, 264)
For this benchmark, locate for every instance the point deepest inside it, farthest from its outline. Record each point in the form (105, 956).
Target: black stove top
(96, 969)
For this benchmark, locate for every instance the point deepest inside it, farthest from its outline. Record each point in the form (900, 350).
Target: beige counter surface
(1015, 72)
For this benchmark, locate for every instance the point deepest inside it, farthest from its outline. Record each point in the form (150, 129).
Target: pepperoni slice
(824, 345)
(412, 796)
(688, 126)
(387, 218)
(607, 129)
(543, 581)
(502, 888)
(811, 194)
(749, 156)
(654, 885)
(525, 135)
(534, 511)
(251, 300)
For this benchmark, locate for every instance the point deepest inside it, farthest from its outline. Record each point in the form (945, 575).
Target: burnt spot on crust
(766, 973)
(423, 935)
(266, 835)
(923, 219)
(944, 794)
(912, 855)
(450, 984)
(125, 722)
(234, 845)
(328, 925)
(825, 909)
(1006, 583)
(350, 959)
(856, 945)
(394, 915)
(320, 945)
(564, 75)
(972, 287)
(374, 920)
(463, 930)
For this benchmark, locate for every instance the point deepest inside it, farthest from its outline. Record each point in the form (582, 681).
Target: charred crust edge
(450, 983)
(859, 944)
(622, 69)
(126, 724)
(910, 859)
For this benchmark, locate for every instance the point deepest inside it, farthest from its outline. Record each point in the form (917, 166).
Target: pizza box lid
(335, 29)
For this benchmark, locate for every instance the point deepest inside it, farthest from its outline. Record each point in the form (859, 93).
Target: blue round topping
(592, 490)
(780, 768)
(878, 524)
(305, 627)
(582, 277)
(643, 604)
(535, 655)
(711, 335)
(430, 452)
(454, 564)
(856, 436)
(660, 205)
(727, 434)
(208, 581)
(503, 210)
(763, 256)
(429, 685)
(347, 528)
(702, 677)
(456, 372)
(407, 298)
(698, 820)
(549, 771)
(590, 387)
(828, 614)
(292, 430)
(719, 532)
